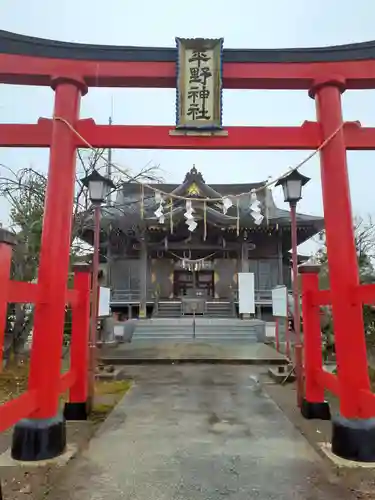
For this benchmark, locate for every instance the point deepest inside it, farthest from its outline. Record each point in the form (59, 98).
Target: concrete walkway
(197, 432)
(159, 352)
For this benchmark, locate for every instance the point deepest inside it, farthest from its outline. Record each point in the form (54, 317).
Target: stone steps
(204, 329)
(219, 310)
(169, 310)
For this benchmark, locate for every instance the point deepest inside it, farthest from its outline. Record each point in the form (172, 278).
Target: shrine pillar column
(245, 258)
(43, 435)
(143, 277)
(343, 275)
(280, 264)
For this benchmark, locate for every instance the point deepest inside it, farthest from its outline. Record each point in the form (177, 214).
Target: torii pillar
(43, 435)
(352, 426)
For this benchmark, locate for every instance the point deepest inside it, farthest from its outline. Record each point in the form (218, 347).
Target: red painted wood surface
(26, 70)
(49, 316)
(22, 292)
(317, 380)
(79, 345)
(5, 263)
(314, 390)
(305, 137)
(67, 380)
(16, 409)
(347, 312)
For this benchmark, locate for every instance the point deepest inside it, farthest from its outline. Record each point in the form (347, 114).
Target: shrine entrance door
(194, 284)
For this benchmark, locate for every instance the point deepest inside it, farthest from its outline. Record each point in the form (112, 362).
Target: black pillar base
(354, 439)
(312, 411)
(39, 439)
(76, 411)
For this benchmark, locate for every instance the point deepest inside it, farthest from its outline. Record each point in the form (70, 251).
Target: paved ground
(193, 351)
(197, 432)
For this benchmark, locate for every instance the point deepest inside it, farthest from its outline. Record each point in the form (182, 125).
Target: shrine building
(156, 262)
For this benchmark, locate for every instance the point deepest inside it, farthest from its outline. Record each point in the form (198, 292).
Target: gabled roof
(194, 186)
(128, 202)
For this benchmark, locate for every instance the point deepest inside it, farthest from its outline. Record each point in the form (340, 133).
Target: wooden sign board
(104, 302)
(246, 293)
(199, 84)
(280, 302)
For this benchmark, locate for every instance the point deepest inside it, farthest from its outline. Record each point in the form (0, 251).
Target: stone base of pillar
(76, 411)
(354, 439)
(39, 439)
(319, 411)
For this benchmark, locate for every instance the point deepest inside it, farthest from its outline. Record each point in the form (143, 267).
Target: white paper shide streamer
(159, 213)
(227, 203)
(189, 216)
(255, 208)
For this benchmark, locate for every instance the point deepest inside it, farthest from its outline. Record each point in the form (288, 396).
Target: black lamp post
(292, 184)
(99, 188)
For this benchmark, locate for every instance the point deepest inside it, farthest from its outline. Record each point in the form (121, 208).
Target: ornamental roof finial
(194, 175)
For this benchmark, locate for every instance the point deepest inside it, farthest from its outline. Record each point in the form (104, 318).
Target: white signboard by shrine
(104, 301)
(246, 293)
(280, 302)
(199, 85)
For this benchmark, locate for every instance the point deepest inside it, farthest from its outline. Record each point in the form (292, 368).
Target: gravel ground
(33, 483)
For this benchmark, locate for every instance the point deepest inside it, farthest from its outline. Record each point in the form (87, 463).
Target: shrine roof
(128, 202)
(13, 43)
(133, 188)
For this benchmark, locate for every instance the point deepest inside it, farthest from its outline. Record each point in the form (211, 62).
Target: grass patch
(371, 372)
(107, 395)
(100, 412)
(119, 387)
(14, 380)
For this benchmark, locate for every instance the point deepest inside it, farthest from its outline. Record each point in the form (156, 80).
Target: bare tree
(364, 237)
(25, 191)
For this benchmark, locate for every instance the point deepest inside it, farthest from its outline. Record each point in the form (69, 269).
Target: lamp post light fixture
(292, 185)
(98, 187)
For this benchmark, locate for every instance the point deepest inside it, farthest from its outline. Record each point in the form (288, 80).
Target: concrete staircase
(201, 329)
(229, 330)
(219, 309)
(169, 309)
(164, 329)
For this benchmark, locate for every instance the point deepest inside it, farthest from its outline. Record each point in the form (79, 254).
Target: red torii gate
(71, 68)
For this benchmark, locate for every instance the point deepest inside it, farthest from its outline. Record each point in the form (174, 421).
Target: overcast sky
(243, 24)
